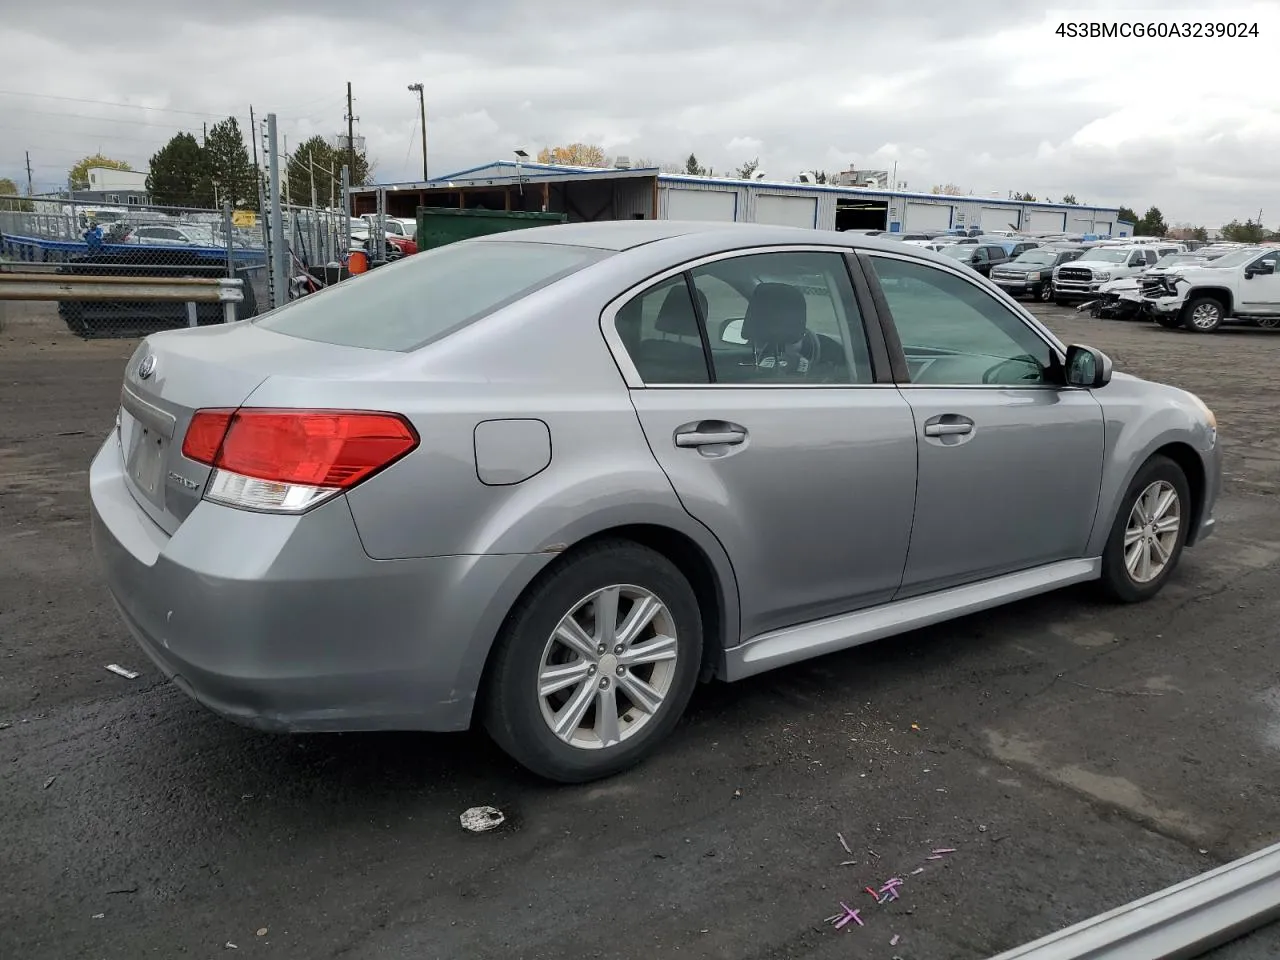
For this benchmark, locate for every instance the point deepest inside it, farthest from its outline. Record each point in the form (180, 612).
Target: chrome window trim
(1004, 300)
(631, 375)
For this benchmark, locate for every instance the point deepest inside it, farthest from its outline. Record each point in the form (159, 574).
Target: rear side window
(427, 296)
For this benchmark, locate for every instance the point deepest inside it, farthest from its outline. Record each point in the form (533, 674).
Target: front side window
(955, 334)
(1272, 258)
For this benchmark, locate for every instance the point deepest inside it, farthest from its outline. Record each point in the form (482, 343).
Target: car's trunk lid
(173, 374)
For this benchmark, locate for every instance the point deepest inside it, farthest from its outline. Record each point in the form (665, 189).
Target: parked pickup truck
(1031, 272)
(1081, 279)
(1243, 286)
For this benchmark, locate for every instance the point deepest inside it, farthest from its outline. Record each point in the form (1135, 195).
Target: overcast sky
(971, 92)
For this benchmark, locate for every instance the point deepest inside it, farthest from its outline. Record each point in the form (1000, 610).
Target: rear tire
(570, 694)
(1146, 540)
(1203, 315)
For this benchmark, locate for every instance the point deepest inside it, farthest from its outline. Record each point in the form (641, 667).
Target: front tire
(1043, 293)
(596, 664)
(1148, 533)
(1203, 315)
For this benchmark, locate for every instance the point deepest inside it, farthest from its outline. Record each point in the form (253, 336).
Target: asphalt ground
(1075, 755)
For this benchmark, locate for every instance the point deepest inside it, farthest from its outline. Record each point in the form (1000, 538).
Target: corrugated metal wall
(965, 212)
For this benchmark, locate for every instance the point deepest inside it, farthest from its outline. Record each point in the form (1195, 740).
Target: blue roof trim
(675, 178)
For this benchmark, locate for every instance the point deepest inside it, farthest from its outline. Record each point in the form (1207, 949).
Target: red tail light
(324, 450)
(205, 433)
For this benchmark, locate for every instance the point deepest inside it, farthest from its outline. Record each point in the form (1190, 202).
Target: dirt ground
(1075, 755)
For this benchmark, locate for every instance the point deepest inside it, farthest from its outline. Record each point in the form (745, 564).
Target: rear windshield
(424, 297)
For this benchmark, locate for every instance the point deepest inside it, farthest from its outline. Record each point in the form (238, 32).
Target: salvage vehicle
(1031, 273)
(1122, 299)
(550, 479)
(1082, 278)
(1242, 286)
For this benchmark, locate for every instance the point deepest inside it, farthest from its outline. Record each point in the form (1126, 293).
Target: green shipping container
(440, 225)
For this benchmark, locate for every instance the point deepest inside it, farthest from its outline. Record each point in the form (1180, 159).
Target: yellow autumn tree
(574, 155)
(79, 174)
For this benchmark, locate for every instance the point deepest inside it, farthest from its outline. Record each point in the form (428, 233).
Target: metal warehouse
(586, 194)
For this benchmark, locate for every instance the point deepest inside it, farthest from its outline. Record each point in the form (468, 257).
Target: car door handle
(947, 429)
(706, 435)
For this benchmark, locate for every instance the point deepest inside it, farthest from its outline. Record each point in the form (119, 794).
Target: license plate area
(145, 453)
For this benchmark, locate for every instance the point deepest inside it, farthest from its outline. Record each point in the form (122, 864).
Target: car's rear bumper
(285, 623)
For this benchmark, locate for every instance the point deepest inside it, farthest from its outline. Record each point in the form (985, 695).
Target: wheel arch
(1222, 294)
(1189, 460)
(701, 560)
(1192, 467)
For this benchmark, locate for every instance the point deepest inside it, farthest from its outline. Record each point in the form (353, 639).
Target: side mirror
(1259, 269)
(1087, 367)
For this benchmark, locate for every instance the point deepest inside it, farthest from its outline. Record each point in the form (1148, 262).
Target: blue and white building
(586, 193)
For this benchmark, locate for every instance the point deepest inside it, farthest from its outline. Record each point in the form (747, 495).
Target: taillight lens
(290, 460)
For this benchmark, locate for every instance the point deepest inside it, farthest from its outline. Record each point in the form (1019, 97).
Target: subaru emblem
(147, 367)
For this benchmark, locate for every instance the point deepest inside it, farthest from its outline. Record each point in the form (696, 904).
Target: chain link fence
(66, 237)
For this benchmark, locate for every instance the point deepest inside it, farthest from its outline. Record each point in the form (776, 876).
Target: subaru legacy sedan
(549, 480)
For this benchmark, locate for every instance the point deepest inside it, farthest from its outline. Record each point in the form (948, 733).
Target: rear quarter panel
(1141, 417)
(542, 358)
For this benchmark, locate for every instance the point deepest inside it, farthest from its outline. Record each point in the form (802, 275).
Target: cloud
(949, 91)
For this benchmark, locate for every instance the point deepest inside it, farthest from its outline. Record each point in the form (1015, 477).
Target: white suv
(1243, 285)
(1082, 279)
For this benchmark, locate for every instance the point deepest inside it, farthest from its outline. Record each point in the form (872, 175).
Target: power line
(105, 103)
(102, 119)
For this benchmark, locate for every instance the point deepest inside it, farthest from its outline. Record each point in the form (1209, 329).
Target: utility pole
(279, 249)
(351, 134)
(422, 108)
(204, 135)
(30, 191)
(346, 208)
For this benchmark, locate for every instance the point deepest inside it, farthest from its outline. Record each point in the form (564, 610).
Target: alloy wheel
(1206, 316)
(607, 667)
(1151, 533)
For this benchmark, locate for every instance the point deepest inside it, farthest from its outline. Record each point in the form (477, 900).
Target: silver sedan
(551, 479)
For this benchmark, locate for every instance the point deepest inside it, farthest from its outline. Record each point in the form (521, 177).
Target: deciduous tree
(574, 155)
(78, 175)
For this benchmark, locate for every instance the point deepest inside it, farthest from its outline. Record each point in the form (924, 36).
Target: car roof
(619, 235)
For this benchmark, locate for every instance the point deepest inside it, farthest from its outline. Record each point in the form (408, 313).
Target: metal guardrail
(1180, 922)
(188, 290)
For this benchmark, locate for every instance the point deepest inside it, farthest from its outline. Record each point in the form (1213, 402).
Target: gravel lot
(1076, 755)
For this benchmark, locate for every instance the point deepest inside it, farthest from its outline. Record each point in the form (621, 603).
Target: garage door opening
(858, 214)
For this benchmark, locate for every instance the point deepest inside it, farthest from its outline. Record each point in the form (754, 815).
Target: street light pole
(422, 108)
